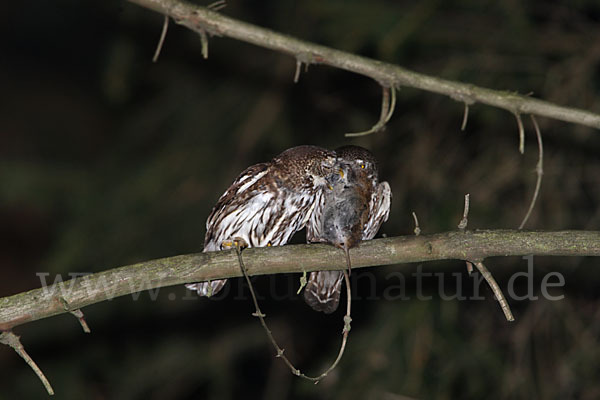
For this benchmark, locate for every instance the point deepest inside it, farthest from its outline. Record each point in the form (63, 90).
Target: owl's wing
(225, 205)
(379, 210)
(243, 182)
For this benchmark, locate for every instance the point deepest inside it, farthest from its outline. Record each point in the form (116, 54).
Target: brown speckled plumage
(268, 202)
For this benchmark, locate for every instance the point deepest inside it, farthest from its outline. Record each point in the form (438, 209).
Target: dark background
(107, 159)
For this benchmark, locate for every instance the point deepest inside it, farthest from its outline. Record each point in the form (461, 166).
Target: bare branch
(199, 19)
(496, 289)
(468, 245)
(10, 339)
(539, 170)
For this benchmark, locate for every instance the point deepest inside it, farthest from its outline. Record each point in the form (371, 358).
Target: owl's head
(357, 163)
(312, 162)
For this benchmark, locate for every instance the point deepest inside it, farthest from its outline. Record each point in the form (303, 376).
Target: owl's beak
(341, 172)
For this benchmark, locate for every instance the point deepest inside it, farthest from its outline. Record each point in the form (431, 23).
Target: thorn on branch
(464, 221)
(521, 132)
(297, 73)
(10, 339)
(77, 313)
(81, 318)
(388, 104)
(539, 170)
(217, 5)
(163, 34)
(465, 117)
(469, 267)
(496, 289)
(417, 228)
(204, 41)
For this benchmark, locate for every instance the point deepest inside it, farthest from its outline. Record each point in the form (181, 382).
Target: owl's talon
(233, 243)
(227, 245)
(240, 243)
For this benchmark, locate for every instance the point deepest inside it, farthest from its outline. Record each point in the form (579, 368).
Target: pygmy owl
(268, 203)
(355, 206)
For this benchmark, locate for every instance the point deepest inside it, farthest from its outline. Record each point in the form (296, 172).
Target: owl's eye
(362, 166)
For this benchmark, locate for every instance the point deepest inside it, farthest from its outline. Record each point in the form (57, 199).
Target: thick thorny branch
(203, 21)
(468, 245)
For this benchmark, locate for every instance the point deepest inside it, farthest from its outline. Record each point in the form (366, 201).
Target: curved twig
(539, 170)
(280, 351)
(521, 133)
(387, 110)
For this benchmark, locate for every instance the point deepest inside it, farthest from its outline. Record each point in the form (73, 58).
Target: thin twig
(465, 117)
(539, 170)
(417, 228)
(465, 219)
(496, 289)
(163, 34)
(387, 109)
(521, 133)
(280, 352)
(10, 339)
